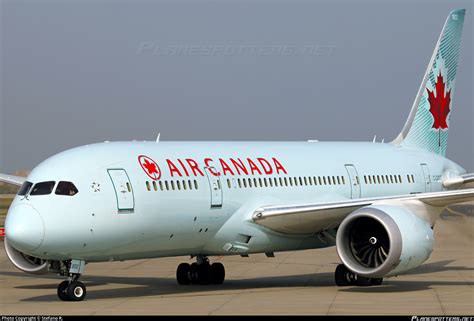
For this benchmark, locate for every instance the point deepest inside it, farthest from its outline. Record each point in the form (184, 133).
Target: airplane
(377, 203)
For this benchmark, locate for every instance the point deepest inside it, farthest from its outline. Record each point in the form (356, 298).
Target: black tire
(203, 274)
(376, 281)
(217, 273)
(363, 281)
(183, 274)
(341, 275)
(62, 291)
(193, 273)
(76, 291)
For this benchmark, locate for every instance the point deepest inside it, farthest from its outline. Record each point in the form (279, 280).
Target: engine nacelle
(383, 240)
(24, 262)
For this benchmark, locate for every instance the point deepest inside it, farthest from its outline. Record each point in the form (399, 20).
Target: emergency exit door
(123, 189)
(215, 186)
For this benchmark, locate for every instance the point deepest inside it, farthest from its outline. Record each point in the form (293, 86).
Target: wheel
(62, 291)
(183, 274)
(376, 281)
(193, 273)
(203, 274)
(363, 281)
(341, 276)
(76, 291)
(217, 273)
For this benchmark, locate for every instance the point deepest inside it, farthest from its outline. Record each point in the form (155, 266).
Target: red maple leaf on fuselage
(150, 167)
(439, 104)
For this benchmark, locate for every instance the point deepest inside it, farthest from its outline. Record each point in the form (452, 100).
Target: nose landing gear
(200, 272)
(71, 289)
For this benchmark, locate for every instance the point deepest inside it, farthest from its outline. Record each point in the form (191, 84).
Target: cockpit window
(25, 188)
(66, 188)
(43, 188)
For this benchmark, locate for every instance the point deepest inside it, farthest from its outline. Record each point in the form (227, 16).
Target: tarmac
(291, 283)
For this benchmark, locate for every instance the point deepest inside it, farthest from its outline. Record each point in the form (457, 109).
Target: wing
(11, 179)
(313, 218)
(458, 181)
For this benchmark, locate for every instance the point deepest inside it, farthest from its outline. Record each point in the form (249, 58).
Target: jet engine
(24, 262)
(383, 240)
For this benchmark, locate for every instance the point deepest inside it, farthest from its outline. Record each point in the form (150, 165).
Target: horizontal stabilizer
(458, 181)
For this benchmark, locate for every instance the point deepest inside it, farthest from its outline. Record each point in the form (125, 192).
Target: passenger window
(155, 187)
(301, 181)
(147, 185)
(244, 181)
(190, 185)
(290, 181)
(333, 180)
(228, 183)
(25, 188)
(365, 179)
(413, 178)
(329, 180)
(260, 182)
(195, 184)
(266, 183)
(178, 185)
(184, 185)
(400, 178)
(286, 181)
(343, 180)
(391, 179)
(68, 188)
(161, 185)
(167, 186)
(383, 179)
(306, 181)
(281, 181)
(275, 181)
(239, 183)
(250, 182)
(43, 188)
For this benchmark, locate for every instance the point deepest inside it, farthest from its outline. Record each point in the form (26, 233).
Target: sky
(80, 72)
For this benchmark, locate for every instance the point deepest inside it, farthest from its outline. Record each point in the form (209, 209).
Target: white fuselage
(200, 201)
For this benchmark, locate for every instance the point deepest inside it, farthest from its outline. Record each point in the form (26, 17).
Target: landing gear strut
(343, 277)
(200, 272)
(71, 289)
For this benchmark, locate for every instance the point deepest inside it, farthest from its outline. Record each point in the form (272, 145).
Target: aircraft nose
(24, 228)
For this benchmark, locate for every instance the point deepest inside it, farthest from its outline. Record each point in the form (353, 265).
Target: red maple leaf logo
(439, 104)
(149, 166)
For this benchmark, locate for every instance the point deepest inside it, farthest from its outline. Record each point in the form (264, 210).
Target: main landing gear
(200, 272)
(71, 289)
(343, 277)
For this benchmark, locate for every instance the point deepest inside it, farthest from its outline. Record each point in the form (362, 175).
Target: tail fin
(428, 123)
